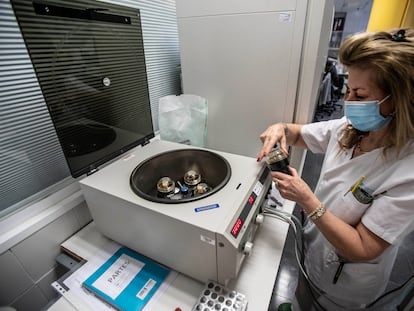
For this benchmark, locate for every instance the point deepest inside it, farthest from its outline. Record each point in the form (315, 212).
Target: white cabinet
(248, 58)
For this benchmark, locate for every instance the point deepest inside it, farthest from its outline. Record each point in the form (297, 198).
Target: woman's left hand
(292, 187)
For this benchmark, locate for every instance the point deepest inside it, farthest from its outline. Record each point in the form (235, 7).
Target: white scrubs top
(390, 215)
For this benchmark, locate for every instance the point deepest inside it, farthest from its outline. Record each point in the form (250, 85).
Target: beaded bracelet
(317, 213)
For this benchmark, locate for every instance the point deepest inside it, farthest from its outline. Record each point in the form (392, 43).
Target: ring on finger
(277, 183)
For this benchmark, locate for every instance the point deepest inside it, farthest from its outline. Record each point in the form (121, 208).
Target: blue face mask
(365, 116)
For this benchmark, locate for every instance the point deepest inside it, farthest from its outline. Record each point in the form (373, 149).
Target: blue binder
(127, 280)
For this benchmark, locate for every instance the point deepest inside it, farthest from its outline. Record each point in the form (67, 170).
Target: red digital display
(251, 200)
(237, 226)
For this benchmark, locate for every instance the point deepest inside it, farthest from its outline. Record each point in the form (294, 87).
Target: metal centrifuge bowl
(214, 170)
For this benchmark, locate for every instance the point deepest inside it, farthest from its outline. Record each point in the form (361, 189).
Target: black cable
(298, 236)
(389, 292)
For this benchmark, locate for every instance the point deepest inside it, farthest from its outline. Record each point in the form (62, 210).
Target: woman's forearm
(353, 243)
(294, 135)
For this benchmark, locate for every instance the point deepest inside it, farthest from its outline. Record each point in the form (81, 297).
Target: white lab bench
(256, 278)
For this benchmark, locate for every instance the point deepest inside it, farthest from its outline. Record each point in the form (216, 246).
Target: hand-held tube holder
(277, 160)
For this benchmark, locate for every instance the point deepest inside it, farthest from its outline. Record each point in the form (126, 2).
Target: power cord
(390, 292)
(295, 223)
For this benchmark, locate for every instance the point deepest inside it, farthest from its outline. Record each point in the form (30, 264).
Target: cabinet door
(246, 66)
(192, 8)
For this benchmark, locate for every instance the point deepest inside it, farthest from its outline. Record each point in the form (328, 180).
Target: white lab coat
(390, 215)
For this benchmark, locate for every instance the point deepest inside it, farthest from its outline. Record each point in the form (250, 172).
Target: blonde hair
(391, 56)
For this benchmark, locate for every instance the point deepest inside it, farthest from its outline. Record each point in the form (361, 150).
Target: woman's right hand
(270, 137)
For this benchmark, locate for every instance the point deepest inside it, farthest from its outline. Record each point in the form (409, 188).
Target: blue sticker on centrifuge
(207, 207)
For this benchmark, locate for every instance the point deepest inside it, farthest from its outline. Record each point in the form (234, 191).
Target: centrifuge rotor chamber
(214, 170)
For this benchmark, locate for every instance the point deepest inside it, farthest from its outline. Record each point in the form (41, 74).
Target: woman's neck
(370, 141)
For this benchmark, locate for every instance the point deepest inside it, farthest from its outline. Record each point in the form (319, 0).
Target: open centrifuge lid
(89, 60)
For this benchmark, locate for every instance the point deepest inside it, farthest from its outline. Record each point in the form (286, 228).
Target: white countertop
(256, 278)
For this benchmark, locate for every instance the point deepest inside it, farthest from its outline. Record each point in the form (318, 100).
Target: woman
(363, 205)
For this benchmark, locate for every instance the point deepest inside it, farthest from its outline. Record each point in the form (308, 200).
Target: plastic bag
(183, 119)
